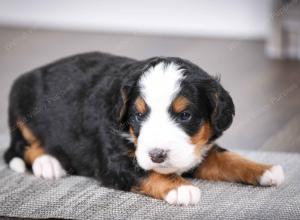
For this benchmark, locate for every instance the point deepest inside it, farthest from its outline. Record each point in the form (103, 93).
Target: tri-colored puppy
(135, 125)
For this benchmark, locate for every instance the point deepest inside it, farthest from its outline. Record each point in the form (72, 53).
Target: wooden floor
(266, 92)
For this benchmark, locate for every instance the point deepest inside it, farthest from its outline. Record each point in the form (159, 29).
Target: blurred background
(254, 45)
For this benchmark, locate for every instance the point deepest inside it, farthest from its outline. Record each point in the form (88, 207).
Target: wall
(219, 18)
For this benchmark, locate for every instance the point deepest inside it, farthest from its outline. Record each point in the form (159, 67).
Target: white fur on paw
(47, 167)
(184, 195)
(17, 165)
(272, 177)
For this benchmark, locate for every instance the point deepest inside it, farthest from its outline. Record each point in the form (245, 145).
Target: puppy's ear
(125, 96)
(124, 102)
(127, 88)
(222, 108)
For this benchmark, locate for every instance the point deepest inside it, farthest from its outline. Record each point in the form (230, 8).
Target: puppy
(138, 126)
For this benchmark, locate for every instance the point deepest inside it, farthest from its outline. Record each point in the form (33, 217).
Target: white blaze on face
(159, 86)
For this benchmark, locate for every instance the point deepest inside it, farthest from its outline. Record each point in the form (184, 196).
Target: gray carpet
(83, 198)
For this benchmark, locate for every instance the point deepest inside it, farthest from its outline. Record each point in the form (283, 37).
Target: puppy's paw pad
(272, 177)
(184, 195)
(17, 165)
(47, 167)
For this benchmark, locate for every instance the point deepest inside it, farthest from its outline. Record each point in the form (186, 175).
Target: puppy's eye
(139, 116)
(184, 116)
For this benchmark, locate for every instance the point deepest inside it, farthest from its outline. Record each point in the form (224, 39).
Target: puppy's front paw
(183, 195)
(47, 167)
(18, 165)
(272, 177)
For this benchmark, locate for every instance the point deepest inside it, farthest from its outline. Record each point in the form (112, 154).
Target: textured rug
(83, 198)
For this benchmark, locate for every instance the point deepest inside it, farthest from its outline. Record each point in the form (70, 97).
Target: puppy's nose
(158, 155)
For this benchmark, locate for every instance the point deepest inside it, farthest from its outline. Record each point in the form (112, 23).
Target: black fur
(77, 107)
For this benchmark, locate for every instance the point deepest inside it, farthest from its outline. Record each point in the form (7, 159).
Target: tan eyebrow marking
(180, 104)
(140, 105)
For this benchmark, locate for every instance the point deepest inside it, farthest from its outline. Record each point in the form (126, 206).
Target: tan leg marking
(35, 149)
(172, 188)
(158, 185)
(228, 166)
(32, 152)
